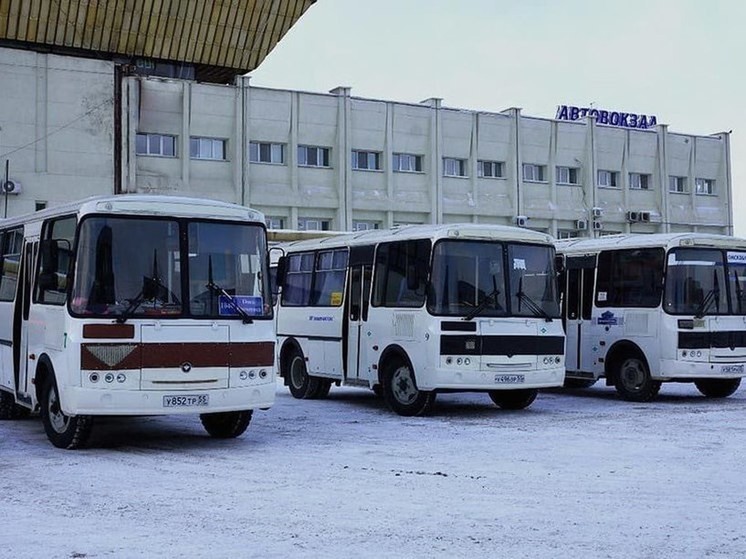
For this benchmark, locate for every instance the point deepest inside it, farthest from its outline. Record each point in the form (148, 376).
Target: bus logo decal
(186, 366)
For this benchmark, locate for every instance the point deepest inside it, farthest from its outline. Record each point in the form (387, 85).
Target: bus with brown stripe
(135, 305)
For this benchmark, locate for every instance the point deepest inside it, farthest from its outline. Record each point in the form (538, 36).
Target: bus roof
(472, 231)
(143, 204)
(664, 240)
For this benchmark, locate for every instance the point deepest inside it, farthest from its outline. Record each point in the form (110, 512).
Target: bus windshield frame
(705, 281)
(166, 267)
(492, 279)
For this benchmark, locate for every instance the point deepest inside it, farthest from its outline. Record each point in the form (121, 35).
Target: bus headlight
(243, 375)
(109, 377)
(93, 377)
(121, 377)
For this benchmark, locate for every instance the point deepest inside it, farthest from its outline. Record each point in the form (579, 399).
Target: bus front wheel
(63, 431)
(401, 393)
(302, 385)
(717, 387)
(226, 425)
(633, 381)
(513, 399)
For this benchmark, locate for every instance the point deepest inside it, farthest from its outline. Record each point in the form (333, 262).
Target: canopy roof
(221, 38)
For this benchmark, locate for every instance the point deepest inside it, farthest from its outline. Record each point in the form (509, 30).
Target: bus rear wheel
(401, 393)
(9, 409)
(302, 385)
(633, 381)
(513, 399)
(717, 387)
(226, 425)
(63, 431)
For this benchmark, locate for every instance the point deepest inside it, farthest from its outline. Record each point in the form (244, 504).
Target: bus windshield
(130, 267)
(699, 282)
(469, 278)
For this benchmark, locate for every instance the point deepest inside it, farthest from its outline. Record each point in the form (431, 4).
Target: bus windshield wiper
(215, 288)
(492, 296)
(713, 296)
(530, 303)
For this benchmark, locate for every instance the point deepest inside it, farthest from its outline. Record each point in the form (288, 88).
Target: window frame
(222, 141)
(497, 168)
(458, 166)
(674, 181)
(375, 155)
(640, 181)
(701, 181)
(255, 148)
(536, 168)
(613, 178)
(412, 158)
(323, 154)
(572, 175)
(151, 136)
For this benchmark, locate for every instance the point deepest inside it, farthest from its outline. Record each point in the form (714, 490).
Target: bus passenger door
(21, 320)
(578, 306)
(358, 298)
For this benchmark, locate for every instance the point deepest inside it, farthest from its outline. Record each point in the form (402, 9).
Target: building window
(567, 175)
(534, 173)
(264, 152)
(313, 156)
(365, 225)
(313, 224)
(155, 144)
(407, 163)
(274, 222)
(207, 148)
(608, 233)
(567, 234)
(704, 186)
(454, 167)
(676, 184)
(638, 181)
(608, 179)
(366, 160)
(490, 169)
(40, 205)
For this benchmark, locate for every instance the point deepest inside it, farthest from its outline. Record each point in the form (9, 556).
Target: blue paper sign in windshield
(250, 304)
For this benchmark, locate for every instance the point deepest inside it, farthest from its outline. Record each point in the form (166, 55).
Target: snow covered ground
(579, 474)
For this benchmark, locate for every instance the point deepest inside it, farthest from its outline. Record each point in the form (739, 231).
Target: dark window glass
(58, 239)
(12, 242)
(630, 278)
(401, 273)
(297, 288)
(695, 282)
(328, 284)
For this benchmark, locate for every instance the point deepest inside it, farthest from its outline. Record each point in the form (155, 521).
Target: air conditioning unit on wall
(597, 212)
(597, 226)
(11, 187)
(581, 224)
(633, 216)
(521, 220)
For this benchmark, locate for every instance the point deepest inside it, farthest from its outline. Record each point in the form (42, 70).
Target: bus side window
(56, 259)
(10, 260)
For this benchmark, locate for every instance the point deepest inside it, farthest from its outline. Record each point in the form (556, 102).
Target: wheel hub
(297, 373)
(57, 419)
(403, 386)
(633, 374)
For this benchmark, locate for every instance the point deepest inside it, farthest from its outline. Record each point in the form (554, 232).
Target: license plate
(186, 401)
(732, 369)
(510, 379)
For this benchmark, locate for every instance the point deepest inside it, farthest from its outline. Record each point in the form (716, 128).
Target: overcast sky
(682, 60)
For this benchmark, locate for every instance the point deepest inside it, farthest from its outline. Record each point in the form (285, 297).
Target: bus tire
(579, 382)
(717, 387)
(226, 425)
(401, 393)
(9, 409)
(63, 431)
(302, 385)
(513, 399)
(632, 379)
(324, 386)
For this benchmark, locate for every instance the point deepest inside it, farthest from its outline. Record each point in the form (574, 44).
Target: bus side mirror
(559, 264)
(282, 270)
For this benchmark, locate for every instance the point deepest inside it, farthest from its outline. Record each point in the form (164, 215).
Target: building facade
(73, 127)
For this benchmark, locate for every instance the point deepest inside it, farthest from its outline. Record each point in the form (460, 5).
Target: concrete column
(344, 151)
(186, 126)
(242, 145)
(436, 165)
(42, 105)
(662, 156)
(130, 120)
(473, 167)
(552, 178)
(725, 137)
(292, 155)
(388, 163)
(624, 181)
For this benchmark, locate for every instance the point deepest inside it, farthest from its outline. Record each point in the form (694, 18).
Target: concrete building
(331, 160)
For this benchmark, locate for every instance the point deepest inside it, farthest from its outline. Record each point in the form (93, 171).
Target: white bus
(417, 310)
(640, 310)
(135, 305)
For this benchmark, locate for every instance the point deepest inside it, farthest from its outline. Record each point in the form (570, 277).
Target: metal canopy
(221, 38)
